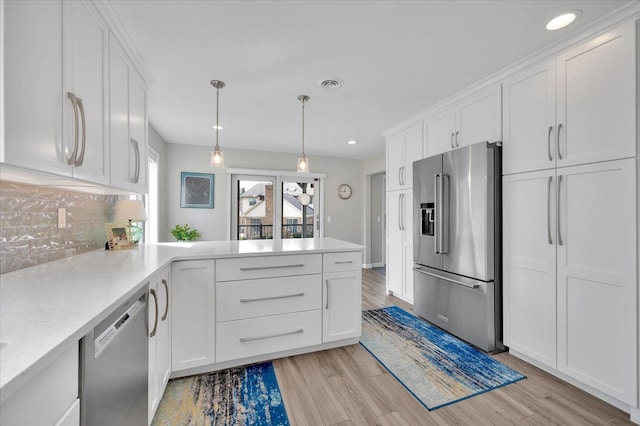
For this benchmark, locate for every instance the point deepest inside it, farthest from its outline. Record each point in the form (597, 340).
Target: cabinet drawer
(336, 262)
(268, 296)
(256, 336)
(246, 268)
(52, 391)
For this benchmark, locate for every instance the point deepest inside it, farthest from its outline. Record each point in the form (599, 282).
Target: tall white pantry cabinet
(570, 190)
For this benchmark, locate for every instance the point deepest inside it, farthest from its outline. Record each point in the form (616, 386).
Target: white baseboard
(378, 264)
(367, 265)
(635, 415)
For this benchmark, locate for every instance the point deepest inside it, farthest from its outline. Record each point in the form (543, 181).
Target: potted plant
(184, 233)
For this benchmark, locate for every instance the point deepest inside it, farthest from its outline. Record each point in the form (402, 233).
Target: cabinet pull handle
(403, 211)
(451, 140)
(403, 175)
(155, 324)
(343, 262)
(271, 336)
(549, 142)
(80, 159)
(549, 209)
(326, 304)
(166, 306)
(436, 232)
(257, 268)
(136, 151)
(558, 207)
(260, 299)
(457, 134)
(558, 142)
(71, 160)
(399, 177)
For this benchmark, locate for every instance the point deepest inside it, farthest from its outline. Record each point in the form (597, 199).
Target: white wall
(346, 215)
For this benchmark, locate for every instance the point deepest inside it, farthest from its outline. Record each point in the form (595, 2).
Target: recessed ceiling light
(217, 127)
(563, 20)
(352, 142)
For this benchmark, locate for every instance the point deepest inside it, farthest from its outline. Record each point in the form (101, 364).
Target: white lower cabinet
(570, 272)
(529, 264)
(159, 338)
(193, 314)
(342, 306)
(597, 276)
(400, 244)
(49, 398)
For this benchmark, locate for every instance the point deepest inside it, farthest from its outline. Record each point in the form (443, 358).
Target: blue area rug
(239, 396)
(437, 368)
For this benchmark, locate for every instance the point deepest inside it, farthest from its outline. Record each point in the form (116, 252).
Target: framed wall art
(119, 236)
(196, 190)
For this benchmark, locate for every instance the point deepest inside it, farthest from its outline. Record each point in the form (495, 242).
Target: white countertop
(46, 308)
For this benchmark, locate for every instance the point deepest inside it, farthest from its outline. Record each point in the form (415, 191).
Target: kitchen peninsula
(258, 289)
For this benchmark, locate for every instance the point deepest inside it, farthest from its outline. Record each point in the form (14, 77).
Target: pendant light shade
(303, 161)
(217, 157)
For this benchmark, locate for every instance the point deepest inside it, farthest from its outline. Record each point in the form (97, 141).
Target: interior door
(468, 189)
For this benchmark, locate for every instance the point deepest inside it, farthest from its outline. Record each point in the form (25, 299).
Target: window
(275, 207)
(151, 199)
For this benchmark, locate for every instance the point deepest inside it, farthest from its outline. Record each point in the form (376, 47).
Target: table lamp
(133, 211)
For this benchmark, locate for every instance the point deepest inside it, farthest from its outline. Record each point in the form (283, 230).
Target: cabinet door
(32, 86)
(118, 116)
(407, 250)
(529, 101)
(479, 118)
(597, 99)
(440, 132)
(137, 132)
(164, 331)
(342, 305)
(529, 265)
(85, 39)
(153, 315)
(395, 161)
(597, 276)
(412, 152)
(193, 316)
(395, 243)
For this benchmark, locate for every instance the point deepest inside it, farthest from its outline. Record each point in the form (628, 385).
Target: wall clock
(344, 191)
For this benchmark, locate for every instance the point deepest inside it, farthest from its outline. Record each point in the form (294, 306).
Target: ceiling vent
(332, 83)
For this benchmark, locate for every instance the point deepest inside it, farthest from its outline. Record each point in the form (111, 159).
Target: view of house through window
(151, 199)
(274, 207)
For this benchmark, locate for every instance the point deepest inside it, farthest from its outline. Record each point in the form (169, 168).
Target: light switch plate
(62, 218)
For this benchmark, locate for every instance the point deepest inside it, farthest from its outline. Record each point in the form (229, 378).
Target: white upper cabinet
(574, 109)
(85, 59)
(529, 100)
(597, 87)
(476, 118)
(137, 132)
(479, 118)
(440, 130)
(128, 123)
(402, 150)
(32, 87)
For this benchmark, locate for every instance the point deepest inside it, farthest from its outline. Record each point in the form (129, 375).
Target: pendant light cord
(217, 110)
(303, 101)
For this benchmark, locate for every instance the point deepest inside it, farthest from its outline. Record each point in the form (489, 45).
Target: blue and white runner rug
(437, 368)
(239, 396)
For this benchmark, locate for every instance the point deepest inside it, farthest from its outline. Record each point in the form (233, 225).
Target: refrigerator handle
(436, 229)
(444, 214)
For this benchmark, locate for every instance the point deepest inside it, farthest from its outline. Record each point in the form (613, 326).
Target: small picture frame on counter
(118, 236)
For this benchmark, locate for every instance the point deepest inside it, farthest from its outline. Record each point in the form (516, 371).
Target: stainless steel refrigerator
(457, 243)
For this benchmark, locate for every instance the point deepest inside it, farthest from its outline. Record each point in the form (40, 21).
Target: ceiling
(396, 59)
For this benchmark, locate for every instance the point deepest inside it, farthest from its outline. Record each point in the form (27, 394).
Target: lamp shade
(132, 210)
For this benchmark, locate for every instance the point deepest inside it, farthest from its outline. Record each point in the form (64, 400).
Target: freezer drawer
(462, 306)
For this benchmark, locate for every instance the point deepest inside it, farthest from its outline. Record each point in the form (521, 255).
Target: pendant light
(303, 161)
(217, 157)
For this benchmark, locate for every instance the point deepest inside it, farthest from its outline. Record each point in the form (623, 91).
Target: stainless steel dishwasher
(115, 367)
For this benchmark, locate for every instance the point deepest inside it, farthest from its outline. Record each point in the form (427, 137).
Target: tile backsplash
(29, 233)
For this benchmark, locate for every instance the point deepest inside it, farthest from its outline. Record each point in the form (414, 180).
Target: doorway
(377, 221)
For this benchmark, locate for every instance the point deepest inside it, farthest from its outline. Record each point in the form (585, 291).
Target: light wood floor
(347, 386)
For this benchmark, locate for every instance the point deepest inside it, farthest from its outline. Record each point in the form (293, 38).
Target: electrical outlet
(62, 218)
